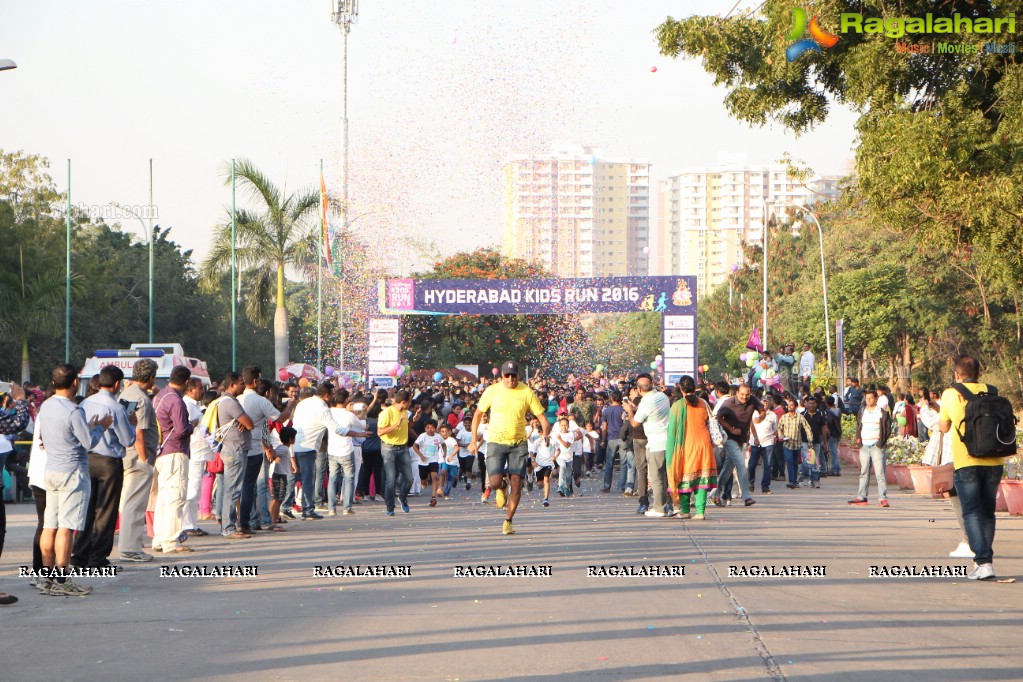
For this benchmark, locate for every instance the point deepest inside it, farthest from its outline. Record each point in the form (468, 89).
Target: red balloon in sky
(653, 69)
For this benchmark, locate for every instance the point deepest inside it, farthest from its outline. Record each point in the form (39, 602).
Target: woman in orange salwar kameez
(691, 465)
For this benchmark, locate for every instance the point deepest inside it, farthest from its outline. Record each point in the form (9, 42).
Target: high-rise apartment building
(706, 214)
(578, 212)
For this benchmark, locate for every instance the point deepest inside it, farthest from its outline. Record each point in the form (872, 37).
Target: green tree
(541, 341)
(268, 240)
(627, 341)
(34, 307)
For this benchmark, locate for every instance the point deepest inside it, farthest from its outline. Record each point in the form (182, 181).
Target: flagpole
(319, 283)
(67, 275)
(234, 277)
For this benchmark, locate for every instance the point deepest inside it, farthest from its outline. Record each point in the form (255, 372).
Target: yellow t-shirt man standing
(953, 409)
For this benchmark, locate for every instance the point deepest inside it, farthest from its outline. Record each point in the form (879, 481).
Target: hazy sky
(440, 94)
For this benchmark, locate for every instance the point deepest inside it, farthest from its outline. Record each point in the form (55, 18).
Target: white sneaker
(656, 514)
(983, 572)
(963, 551)
(378, 498)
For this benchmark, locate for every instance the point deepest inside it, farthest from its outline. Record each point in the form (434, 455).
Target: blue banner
(540, 296)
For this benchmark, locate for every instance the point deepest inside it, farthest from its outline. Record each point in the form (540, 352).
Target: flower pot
(902, 477)
(931, 481)
(1000, 505)
(889, 475)
(1012, 491)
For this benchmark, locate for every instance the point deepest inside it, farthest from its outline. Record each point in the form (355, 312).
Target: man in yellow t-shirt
(976, 478)
(509, 402)
(392, 427)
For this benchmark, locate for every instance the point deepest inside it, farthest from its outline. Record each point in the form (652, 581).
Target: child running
(429, 447)
(564, 440)
(464, 436)
(543, 461)
(449, 469)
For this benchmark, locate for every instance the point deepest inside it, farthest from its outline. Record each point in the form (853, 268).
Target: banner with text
(542, 296)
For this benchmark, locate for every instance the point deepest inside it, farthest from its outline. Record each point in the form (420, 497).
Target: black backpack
(989, 429)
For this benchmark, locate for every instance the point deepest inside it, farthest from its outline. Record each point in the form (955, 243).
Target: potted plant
(932, 481)
(902, 452)
(1010, 490)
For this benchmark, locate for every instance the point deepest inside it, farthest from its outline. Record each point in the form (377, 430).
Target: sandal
(180, 549)
(197, 532)
(276, 529)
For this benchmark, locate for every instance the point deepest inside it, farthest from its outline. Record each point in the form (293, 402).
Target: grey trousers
(135, 488)
(639, 449)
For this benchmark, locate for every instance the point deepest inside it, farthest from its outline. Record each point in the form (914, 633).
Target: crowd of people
(253, 455)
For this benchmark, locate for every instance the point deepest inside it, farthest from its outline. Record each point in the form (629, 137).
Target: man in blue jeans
(976, 478)
(311, 421)
(610, 431)
(735, 417)
(393, 430)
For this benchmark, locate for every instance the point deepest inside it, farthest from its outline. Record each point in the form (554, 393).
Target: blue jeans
(261, 514)
(734, 461)
(836, 466)
(627, 476)
(306, 460)
(289, 492)
(807, 470)
(778, 461)
(872, 455)
(565, 477)
(248, 514)
(757, 454)
(341, 467)
(231, 489)
(791, 459)
(320, 483)
(977, 487)
(615, 448)
(397, 465)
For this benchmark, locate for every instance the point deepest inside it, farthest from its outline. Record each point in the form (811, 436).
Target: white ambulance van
(167, 356)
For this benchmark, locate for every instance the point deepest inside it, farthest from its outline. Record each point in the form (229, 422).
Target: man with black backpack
(983, 430)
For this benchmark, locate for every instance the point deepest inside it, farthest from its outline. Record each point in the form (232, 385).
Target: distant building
(706, 214)
(578, 212)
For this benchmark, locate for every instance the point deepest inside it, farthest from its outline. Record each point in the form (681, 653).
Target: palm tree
(266, 242)
(33, 308)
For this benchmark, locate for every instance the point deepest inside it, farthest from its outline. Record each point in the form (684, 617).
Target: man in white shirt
(807, 362)
(199, 454)
(311, 420)
(259, 454)
(653, 412)
(763, 436)
(341, 454)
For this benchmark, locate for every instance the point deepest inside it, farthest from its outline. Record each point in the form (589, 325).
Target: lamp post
(763, 200)
(149, 243)
(824, 278)
(7, 64)
(346, 14)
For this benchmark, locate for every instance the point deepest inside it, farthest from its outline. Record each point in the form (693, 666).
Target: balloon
(706, 368)
(437, 376)
(283, 374)
(659, 357)
(600, 368)
(328, 370)
(742, 357)
(653, 365)
(901, 419)
(399, 373)
(494, 371)
(603, 382)
(750, 362)
(303, 383)
(653, 69)
(646, 250)
(763, 364)
(735, 268)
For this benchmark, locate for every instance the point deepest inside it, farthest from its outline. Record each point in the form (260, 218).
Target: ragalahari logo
(818, 37)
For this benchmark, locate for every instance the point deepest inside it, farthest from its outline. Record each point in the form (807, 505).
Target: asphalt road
(288, 624)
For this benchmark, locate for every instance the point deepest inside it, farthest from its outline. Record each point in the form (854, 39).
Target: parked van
(166, 355)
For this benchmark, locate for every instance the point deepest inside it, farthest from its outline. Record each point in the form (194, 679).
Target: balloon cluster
(763, 372)
(329, 371)
(597, 371)
(658, 364)
(397, 370)
(704, 368)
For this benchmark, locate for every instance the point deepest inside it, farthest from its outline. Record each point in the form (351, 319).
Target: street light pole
(347, 13)
(763, 339)
(824, 278)
(149, 241)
